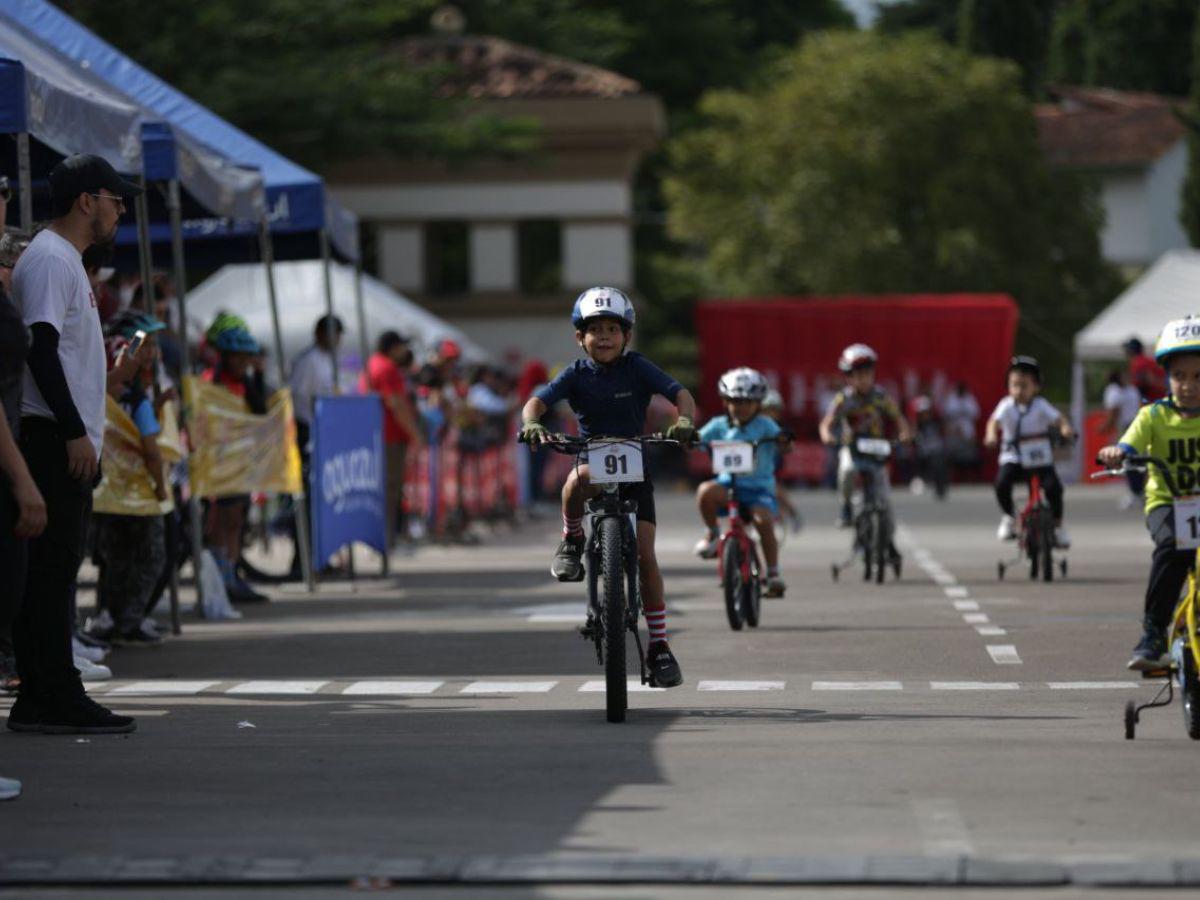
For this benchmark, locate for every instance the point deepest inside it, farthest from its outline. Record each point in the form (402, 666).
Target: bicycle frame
(1034, 516)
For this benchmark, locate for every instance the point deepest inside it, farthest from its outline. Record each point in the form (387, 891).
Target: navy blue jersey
(610, 401)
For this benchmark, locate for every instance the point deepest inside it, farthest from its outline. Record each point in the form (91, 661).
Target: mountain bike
(874, 526)
(739, 563)
(610, 554)
(1035, 525)
(1184, 668)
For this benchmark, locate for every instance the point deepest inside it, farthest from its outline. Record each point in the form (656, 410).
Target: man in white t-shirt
(1122, 401)
(313, 376)
(62, 431)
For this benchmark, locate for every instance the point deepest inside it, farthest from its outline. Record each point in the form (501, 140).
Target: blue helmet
(237, 340)
(602, 302)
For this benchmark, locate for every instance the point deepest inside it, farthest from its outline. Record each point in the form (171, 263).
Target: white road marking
(975, 618)
(966, 605)
(991, 630)
(974, 686)
(957, 592)
(633, 686)
(741, 685)
(391, 688)
(1090, 685)
(944, 579)
(277, 687)
(857, 686)
(558, 617)
(162, 688)
(943, 831)
(1004, 654)
(509, 687)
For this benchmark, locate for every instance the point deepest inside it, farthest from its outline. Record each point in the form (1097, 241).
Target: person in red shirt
(385, 376)
(1144, 373)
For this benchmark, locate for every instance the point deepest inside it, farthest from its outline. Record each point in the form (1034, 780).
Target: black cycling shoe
(1150, 655)
(25, 716)
(664, 668)
(568, 560)
(83, 715)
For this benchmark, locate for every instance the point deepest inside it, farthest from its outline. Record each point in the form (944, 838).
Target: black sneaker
(1150, 655)
(568, 560)
(139, 637)
(664, 668)
(240, 592)
(25, 717)
(83, 715)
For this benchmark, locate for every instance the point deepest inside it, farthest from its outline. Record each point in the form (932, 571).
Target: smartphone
(136, 344)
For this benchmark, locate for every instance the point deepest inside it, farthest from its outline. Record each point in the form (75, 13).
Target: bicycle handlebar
(569, 444)
(1139, 462)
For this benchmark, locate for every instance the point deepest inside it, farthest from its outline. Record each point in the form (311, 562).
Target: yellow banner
(127, 488)
(236, 452)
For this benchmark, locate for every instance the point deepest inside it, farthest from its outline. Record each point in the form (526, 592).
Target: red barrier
(470, 483)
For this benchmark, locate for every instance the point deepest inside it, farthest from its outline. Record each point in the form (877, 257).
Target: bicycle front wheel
(731, 582)
(1047, 536)
(612, 610)
(880, 542)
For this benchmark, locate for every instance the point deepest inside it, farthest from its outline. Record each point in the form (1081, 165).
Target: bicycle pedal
(1156, 674)
(587, 630)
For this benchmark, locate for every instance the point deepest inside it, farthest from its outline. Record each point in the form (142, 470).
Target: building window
(539, 254)
(447, 258)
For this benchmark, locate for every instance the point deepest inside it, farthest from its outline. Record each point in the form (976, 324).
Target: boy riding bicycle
(859, 410)
(742, 391)
(609, 392)
(1170, 429)
(1022, 415)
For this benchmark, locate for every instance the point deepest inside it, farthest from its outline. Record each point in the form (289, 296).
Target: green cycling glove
(534, 433)
(683, 430)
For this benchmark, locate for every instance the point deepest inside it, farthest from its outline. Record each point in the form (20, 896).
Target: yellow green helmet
(1178, 336)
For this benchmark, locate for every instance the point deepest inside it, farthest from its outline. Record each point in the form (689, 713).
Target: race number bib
(615, 462)
(1187, 523)
(732, 457)
(873, 447)
(1035, 454)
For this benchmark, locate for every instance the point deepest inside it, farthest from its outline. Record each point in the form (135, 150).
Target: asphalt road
(441, 727)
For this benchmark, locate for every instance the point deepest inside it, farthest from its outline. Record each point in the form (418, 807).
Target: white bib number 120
(1187, 523)
(615, 463)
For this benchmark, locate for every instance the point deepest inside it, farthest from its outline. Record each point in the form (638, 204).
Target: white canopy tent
(242, 289)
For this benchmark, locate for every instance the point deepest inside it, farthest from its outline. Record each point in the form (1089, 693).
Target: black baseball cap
(85, 173)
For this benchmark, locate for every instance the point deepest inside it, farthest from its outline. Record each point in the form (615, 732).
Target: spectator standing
(385, 376)
(312, 377)
(960, 417)
(1122, 401)
(1144, 373)
(62, 432)
(22, 510)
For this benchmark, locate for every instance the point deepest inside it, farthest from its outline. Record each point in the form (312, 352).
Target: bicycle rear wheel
(612, 604)
(1047, 534)
(1191, 695)
(880, 541)
(752, 595)
(731, 582)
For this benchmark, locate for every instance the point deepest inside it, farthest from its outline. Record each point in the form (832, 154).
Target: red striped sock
(657, 622)
(572, 527)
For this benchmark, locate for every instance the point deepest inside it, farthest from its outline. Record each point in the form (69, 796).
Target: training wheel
(835, 571)
(1131, 719)
(1062, 567)
(1000, 568)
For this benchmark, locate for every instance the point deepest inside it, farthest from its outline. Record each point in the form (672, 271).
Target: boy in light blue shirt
(742, 391)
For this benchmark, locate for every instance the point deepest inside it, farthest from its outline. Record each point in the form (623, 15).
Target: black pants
(1011, 473)
(42, 632)
(13, 562)
(1169, 568)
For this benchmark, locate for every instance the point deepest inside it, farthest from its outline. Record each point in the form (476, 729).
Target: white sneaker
(1126, 502)
(91, 654)
(1061, 538)
(1006, 532)
(706, 547)
(10, 788)
(90, 671)
(917, 486)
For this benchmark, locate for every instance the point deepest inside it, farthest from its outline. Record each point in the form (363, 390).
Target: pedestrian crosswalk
(505, 687)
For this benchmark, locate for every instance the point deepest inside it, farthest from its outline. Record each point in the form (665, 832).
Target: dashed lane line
(857, 686)
(974, 686)
(1090, 685)
(391, 688)
(509, 687)
(741, 685)
(162, 688)
(1004, 654)
(277, 687)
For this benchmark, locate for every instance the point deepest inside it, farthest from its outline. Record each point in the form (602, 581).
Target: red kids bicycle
(739, 562)
(1035, 525)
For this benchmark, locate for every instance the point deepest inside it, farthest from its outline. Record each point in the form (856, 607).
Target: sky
(864, 10)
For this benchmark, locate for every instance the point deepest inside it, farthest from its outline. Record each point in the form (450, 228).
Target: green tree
(1013, 29)
(1127, 44)
(941, 17)
(876, 164)
(1190, 213)
(315, 80)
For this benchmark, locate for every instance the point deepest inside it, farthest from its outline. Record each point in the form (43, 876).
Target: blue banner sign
(347, 475)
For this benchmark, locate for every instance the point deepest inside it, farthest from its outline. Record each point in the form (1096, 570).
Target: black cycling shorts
(643, 493)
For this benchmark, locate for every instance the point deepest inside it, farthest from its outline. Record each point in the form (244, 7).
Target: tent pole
(364, 348)
(300, 502)
(1078, 412)
(174, 207)
(24, 183)
(331, 336)
(145, 261)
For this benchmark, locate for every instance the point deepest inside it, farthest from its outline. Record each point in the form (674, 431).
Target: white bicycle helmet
(856, 356)
(1178, 336)
(742, 384)
(602, 302)
(773, 400)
